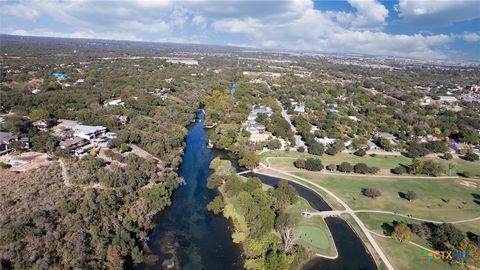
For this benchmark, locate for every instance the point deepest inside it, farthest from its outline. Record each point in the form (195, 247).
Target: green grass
(443, 199)
(312, 233)
(384, 162)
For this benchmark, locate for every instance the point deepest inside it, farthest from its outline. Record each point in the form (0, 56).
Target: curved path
(340, 212)
(349, 211)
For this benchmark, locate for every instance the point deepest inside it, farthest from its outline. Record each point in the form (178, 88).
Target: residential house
(6, 138)
(25, 143)
(259, 109)
(447, 99)
(255, 127)
(392, 138)
(325, 140)
(43, 124)
(76, 145)
(373, 146)
(89, 132)
(457, 148)
(36, 91)
(114, 102)
(300, 107)
(123, 119)
(314, 128)
(2, 120)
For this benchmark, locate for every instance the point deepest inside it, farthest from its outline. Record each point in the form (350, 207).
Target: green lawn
(384, 162)
(438, 199)
(405, 256)
(312, 233)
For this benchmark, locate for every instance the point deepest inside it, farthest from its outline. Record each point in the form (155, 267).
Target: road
(298, 139)
(347, 209)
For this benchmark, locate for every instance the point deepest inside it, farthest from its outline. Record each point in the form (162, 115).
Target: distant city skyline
(421, 28)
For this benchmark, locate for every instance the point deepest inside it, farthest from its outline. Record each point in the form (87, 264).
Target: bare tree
(284, 225)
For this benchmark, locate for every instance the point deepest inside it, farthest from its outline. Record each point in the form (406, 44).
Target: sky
(443, 29)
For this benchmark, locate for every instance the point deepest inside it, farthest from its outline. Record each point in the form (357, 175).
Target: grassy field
(312, 233)
(407, 256)
(443, 200)
(384, 162)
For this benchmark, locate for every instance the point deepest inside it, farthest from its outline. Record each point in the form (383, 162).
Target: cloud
(470, 37)
(438, 12)
(370, 14)
(286, 24)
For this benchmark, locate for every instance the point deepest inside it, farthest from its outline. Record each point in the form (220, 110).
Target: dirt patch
(21, 162)
(469, 184)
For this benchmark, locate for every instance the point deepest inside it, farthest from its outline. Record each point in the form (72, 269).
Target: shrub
(313, 164)
(4, 166)
(301, 149)
(360, 153)
(447, 156)
(399, 170)
(467, 174)
(331, 167)
(345, 167)
(415, 150)
(471, 156)
(371, 192)
(410, 195)
(316, 149)
(124, 148)
(299, 163)
(331, 151)
(373, 170)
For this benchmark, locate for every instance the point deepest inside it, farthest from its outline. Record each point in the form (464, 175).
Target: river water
(187, 236)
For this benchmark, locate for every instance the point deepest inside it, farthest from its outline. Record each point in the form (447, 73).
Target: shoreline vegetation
(268, 221)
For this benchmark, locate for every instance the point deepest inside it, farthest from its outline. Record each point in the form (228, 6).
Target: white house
(114, 102)
(89, 132)
(325, 140)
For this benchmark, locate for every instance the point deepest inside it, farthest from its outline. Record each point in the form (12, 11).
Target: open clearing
(437, 199)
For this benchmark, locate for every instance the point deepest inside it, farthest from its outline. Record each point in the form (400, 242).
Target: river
(187, 236)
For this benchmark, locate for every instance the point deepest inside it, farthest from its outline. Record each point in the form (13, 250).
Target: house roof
(72, 141)
(88, 129)
(6, 137)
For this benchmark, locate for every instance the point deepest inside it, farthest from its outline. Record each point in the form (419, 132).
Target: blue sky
(411, 28)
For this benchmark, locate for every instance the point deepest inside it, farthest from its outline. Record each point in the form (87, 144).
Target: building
(447, 99)
(386, 135)
(114, 102)
(43, 124)
(259, 109)
(6, 138)
(456, 148)
(25, 143)
(36, 91)
(299, 107)
(325, 140)
(255, 127)
(89, 132)
(60, 75)
(372, 146)
(123, 119)
(76, 145)
(2, 120)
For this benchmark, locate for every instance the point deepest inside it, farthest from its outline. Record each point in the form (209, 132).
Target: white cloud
(287, 24)
(470, 37)
(438, 12)
(370, 14)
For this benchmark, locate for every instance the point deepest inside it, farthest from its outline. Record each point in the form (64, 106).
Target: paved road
(298, 139)
(348, 210)
(340, 212)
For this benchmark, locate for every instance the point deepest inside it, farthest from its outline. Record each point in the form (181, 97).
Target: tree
(361, 168)
(360, 152)
(301, 149)
(446, 234)
(284, 225)
(422, 230)
(385, 144)
(285, 195)
(316, 149)
(417, 166)
(39, 114)
(214, 181)
(415, 150)
(471, 156)
(345, 167)
(371, 192)
(124, 148)
(432, 168)
(402, 232)
(331, 151)
(249, 160)
(274, 144)
(299, 163)
(216, 206)
(313, 164)
(410, 195)
(437, 146)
